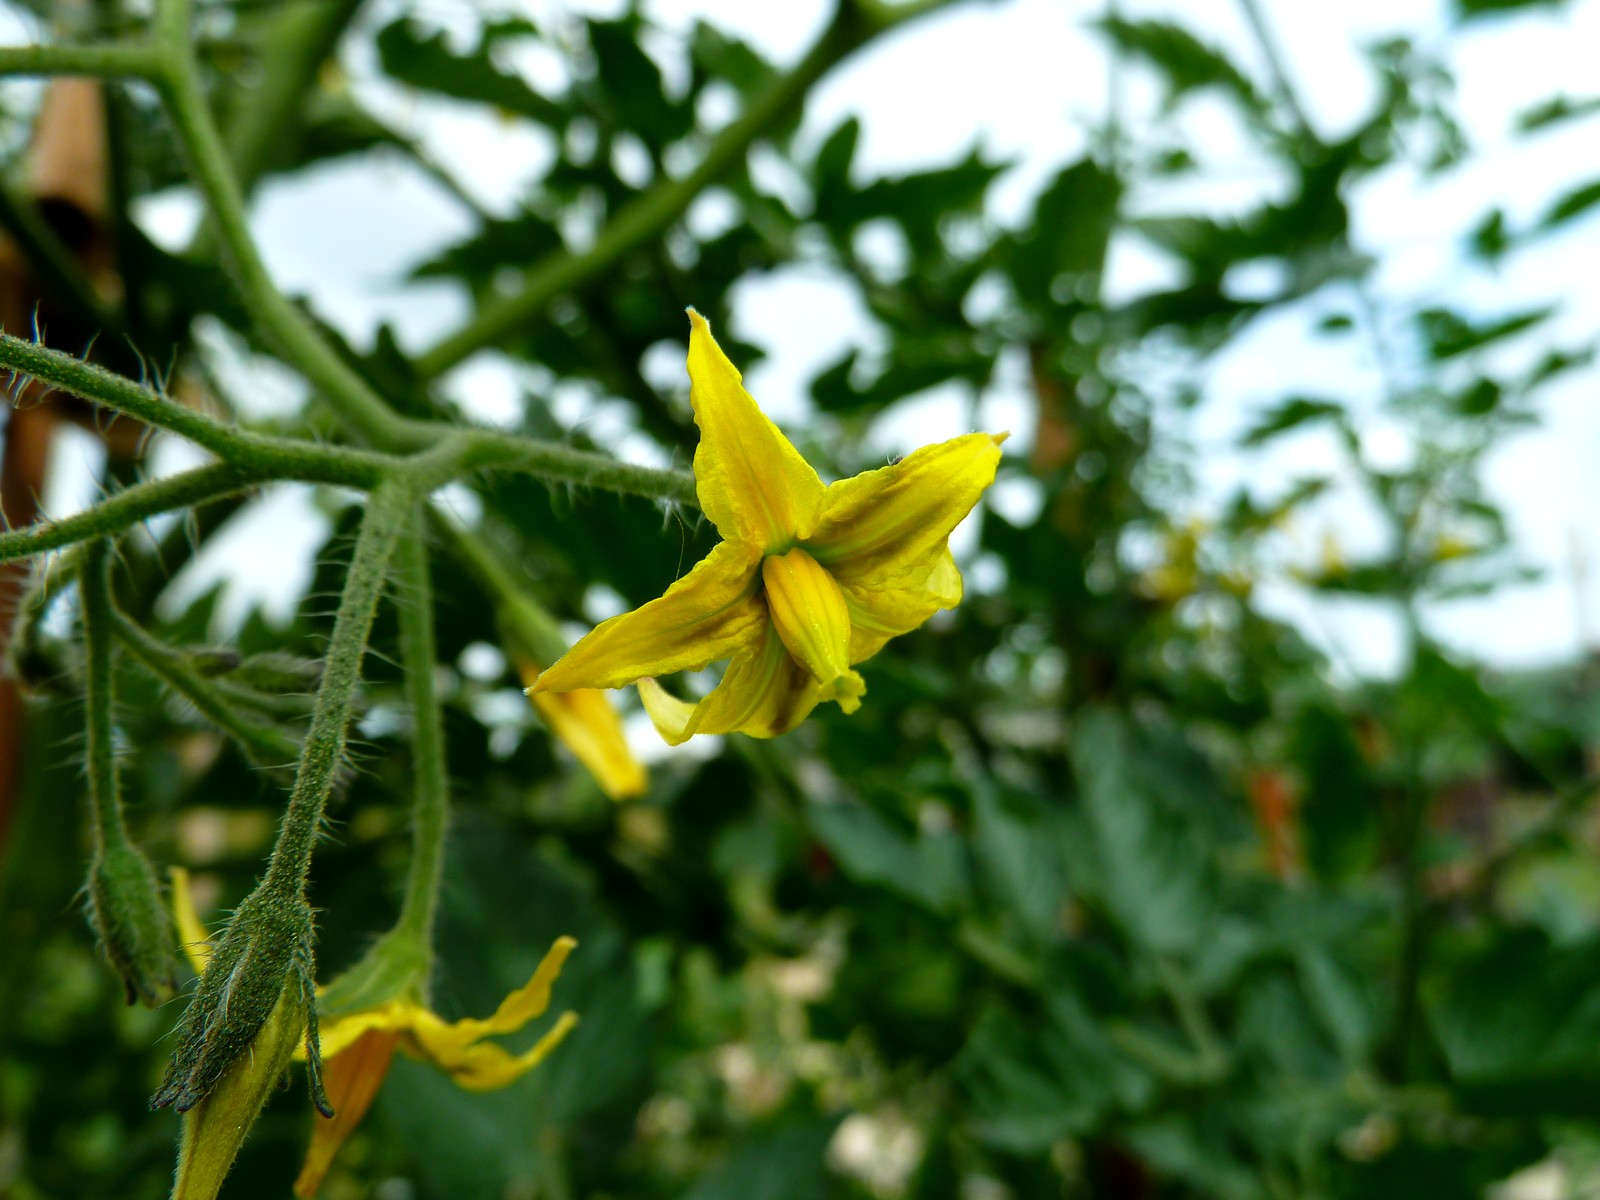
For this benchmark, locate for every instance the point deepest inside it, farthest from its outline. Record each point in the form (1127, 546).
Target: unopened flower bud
(131, 923)
(215, 1127)
(266, 950)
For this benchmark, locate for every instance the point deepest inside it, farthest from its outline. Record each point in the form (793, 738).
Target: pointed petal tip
(999, 438)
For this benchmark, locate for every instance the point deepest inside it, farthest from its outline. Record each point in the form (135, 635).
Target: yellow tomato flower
(808, 581)
(358, 1046)
(588, 726)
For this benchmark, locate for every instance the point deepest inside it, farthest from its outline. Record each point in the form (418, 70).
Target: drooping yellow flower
(589, 726)
(808, 581)
(358, 1045)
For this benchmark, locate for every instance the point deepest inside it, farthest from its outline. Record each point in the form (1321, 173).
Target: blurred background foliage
(1115, 887)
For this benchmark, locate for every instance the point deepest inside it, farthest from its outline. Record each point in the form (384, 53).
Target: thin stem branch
(94, 590)
(320, 761)
(265, 746)
(653, 213)
(431, 802)
(130, 506)
(1273, 53)
(283, 324)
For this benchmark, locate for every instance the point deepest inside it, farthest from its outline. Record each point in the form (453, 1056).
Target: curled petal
(589, 726)
(881, 614)
(811, 617)
(352, 1079)
(709, 614)
(879, 529)
(764, 693)
(752, 483)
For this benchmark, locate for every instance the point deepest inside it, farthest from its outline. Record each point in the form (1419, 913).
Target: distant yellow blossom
(808, 581)
(589, 726)
(358, 1046)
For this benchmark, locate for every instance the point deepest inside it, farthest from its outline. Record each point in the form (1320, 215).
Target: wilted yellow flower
(808, 581)
(358, 1045)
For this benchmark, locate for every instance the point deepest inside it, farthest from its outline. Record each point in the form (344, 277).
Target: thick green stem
(138, 60)
(265, 746)
(94, 590)
(431, 784)
(301, 38)
(320, 761)
(654, 212)
(338, 384)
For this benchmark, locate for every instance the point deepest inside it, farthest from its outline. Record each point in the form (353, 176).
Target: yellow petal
(192, 934)
(809, 612)
(588, 726)
(763, 694)
(878, 615)
(484, 1066)
(752, 483)
(708, 615)
(457, 1046)
(883, 528)
(352, 1079)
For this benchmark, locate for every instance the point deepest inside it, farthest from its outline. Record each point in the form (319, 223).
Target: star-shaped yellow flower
(358, 1044)
(809, 579)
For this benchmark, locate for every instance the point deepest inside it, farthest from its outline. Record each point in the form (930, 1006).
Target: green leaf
(1555, 110)
(929, 869)
(1291, 414)
(1143, 800)
(1448, 334)
(1033, 1080)
(426, 61)
(1519, 1024)
(1187, 62)
(787, 1165)
(1571, 205)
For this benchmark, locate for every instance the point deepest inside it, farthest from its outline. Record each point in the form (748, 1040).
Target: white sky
(1024, 79)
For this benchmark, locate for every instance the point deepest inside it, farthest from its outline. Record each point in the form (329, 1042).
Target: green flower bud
(265, 952)
(215, 1127)
(131, 923)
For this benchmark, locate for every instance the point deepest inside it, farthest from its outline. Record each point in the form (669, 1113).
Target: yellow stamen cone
(811, 616)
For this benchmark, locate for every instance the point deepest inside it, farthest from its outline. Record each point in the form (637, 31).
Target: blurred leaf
(426, 61)
(786, 1165)
(1571, 206)
(1186, 61)
(929, 869)
(1556, 110)
(1141, 801)
(1290, 414)
(1449, 334)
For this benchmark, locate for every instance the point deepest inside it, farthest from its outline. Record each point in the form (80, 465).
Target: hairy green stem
(296, 458)
(130, 506)
(105, 796)
(386, 515)
(431, 784)
(653, 213)
(265, 746)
